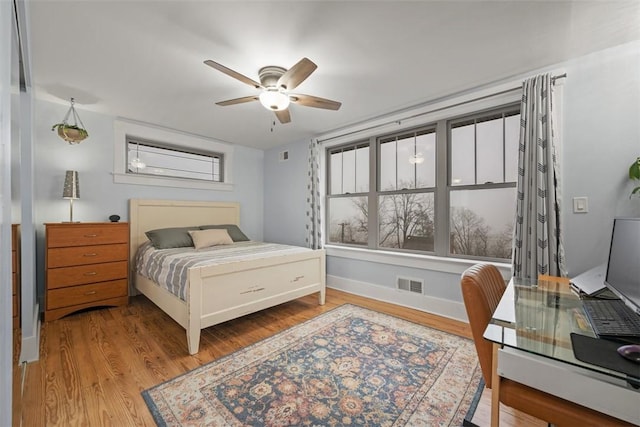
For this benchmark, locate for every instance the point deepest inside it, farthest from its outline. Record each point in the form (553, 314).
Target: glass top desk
(531, 330)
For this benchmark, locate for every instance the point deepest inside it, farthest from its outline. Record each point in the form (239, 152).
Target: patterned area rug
(347, 367)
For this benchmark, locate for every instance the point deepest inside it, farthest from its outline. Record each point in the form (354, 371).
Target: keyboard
(612, 319)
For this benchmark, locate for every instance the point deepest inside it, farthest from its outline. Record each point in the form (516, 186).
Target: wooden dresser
(86, 265)
(15, 263)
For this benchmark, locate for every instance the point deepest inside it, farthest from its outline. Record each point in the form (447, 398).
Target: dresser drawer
(14, 261)
(15, 305)
(65, 297)
(81, 255)
(83, 274)
(15, 283)
(86, 235)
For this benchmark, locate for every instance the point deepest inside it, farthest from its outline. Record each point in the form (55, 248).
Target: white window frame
(124, 128)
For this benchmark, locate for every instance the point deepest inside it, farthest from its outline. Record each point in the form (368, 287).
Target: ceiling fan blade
(315, 101)
(283, 115)
(296, 74)
(234, 74)
(238, 100)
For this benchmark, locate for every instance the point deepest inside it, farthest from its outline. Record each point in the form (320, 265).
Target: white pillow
(213, 237)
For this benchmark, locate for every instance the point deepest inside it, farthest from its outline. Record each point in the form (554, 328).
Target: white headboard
(145, 215)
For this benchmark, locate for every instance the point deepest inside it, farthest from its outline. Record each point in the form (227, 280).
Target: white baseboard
(441, 307)
(30, 349)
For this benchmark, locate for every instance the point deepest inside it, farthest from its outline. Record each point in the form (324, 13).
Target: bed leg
(193, 340)
(322, 297)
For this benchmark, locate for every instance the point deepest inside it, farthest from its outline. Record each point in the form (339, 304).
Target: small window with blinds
(152, 158)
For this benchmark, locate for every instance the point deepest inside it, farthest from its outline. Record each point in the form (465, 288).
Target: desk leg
(495, 388)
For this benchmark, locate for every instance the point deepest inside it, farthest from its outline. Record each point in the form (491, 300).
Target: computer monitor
(623, 267)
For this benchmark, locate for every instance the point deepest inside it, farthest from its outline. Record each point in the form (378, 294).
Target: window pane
(388, 166)
(154, 160)
(362, 169)
(481, 222)
(406, 171)
(489, 151)
(349, 171)
(511, 142)
(425, 160)
(462, 155)
(335, 183)
(348, 220)
(406, 221)
(408, 161)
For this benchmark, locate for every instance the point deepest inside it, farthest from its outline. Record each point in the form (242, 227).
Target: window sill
(423, 262)
(161, 181)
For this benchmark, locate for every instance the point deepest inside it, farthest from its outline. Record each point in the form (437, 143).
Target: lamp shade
(71, 186)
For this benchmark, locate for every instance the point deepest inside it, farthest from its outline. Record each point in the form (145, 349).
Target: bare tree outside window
(405, 221)
(478, 228)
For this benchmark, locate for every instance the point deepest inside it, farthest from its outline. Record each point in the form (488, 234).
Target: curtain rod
(320, 141)
(561, 76)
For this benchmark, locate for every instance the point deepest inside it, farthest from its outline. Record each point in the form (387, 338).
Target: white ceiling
(143, 60)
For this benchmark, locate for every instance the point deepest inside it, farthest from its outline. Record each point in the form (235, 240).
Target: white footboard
(224, 292)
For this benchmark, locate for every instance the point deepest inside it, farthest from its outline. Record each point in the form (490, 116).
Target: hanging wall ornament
(72, 133)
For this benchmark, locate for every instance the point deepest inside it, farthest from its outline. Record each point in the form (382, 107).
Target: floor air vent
(411, 285)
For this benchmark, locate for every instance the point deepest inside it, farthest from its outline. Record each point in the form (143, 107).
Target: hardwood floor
(94, 365)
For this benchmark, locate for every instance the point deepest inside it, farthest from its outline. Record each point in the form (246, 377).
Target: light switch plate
(580, 205)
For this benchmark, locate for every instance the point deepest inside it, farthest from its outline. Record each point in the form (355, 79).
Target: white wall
(601, 105)
(100, 197)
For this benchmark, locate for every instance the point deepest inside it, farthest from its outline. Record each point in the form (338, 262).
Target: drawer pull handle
(90, 273)
(250, 291)
(90, 293)
(90, 255)
(90, 235)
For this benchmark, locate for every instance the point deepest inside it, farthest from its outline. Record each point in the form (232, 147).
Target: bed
(217, 293)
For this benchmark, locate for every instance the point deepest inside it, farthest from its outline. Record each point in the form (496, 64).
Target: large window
(447, 188)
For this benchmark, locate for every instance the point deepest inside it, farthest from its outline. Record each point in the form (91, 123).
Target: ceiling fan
(276, 84)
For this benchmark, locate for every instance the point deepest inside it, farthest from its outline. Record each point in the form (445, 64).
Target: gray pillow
(166, 238)
(234, 231)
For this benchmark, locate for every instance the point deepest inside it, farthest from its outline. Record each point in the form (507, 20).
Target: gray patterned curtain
(537, 247)
(314, 229)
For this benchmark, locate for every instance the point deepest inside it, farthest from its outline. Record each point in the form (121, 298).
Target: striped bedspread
(168, 267)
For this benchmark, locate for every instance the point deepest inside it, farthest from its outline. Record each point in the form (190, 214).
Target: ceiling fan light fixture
(274, 99)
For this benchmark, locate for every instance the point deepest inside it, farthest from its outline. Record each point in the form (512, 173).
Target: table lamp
(71, 190)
